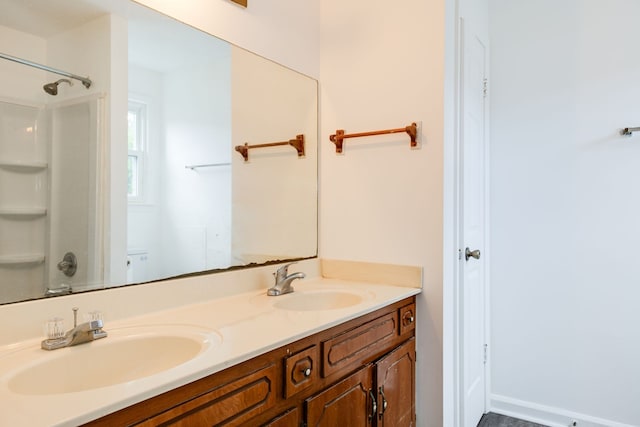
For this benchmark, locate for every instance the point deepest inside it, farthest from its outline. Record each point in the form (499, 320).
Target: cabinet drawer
(360, 345)
(230, 404)
(301, 371)
(290, 418)
(407, 318)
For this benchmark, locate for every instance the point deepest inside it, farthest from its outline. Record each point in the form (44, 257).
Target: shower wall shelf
(22, 212)
(23, 166)
(17, 260)
(297, 143)
(339, 137)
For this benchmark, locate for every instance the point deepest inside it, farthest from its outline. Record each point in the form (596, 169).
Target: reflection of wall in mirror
(184, 221)
(274, 218)
(197, 203)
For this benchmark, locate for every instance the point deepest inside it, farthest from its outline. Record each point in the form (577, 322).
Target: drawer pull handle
(306, 372)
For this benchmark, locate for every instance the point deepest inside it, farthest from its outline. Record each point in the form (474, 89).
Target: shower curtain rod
(85, 80)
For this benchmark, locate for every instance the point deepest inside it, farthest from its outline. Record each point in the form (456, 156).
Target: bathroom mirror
(136, 177)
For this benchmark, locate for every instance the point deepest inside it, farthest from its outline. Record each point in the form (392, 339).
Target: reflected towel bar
(297, 143)
(208, 165)
(629, 131)
(411, 130)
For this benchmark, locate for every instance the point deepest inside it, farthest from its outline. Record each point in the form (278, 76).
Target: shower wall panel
(23, 198)
(75, 223)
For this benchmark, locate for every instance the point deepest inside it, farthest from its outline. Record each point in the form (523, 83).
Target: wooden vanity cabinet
(380, 394)
(359, 373)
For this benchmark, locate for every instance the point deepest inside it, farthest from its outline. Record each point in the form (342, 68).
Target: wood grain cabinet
(359, 373)
(380, 394)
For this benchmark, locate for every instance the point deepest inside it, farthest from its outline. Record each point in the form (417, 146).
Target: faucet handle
(282, 270)
(54, 328)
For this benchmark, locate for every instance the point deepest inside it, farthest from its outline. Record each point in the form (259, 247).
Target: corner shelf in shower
(23, 166)
(21, 260)
(22, 212)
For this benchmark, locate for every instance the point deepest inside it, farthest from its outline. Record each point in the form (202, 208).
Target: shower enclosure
(51, 166)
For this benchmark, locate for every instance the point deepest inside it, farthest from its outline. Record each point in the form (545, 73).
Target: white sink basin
(313, 300)
(125, 355)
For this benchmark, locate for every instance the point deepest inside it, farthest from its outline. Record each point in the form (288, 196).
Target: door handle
(471, 254)
(374, 406)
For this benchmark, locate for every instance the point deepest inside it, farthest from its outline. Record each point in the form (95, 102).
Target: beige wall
(379, 67)
(383, 67)
(274, 193)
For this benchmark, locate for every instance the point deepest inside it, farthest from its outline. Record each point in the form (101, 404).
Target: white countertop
(238, 327)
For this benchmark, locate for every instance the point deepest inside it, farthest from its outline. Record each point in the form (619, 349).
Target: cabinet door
(395, 382)
(349, 403)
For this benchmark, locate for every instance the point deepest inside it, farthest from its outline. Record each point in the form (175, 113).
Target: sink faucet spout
(283, 281)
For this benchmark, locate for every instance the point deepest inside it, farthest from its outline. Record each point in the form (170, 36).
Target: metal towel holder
(629, 131)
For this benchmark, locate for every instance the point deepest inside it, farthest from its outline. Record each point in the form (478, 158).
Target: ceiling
(155, 41)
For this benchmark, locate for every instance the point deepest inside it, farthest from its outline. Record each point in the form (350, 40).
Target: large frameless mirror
(178, 154)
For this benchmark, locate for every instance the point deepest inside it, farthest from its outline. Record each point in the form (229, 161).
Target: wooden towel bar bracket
(297, 143)
(340, 136)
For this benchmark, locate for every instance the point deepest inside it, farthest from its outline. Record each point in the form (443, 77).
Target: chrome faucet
(85, 332)
(283, 280)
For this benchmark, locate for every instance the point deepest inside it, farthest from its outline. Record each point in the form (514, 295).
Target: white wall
(382, 66)
(82, 50)
(26, 82)
(565, 207)
(196, 205)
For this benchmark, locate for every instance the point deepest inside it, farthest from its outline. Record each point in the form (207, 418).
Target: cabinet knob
(306, 372)
(408, 318)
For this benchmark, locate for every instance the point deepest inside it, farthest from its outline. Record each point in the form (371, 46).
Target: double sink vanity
(332, 348)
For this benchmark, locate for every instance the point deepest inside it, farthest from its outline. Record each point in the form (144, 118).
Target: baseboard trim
(547, 415)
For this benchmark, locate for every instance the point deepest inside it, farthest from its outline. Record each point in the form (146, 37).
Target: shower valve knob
(69, 264)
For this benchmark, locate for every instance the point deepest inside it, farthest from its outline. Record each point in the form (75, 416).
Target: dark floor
(496, 420)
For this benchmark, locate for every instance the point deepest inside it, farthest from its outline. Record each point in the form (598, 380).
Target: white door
(472, 236)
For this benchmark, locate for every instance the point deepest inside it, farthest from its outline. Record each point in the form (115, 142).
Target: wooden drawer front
(230, 404)
(357, 346)
(407, 318)
(301, 371)
(290, 418)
